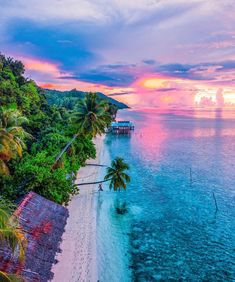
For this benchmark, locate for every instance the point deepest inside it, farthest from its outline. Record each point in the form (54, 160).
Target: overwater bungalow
(121, 127)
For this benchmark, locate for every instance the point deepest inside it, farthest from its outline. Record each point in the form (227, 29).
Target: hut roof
(43, 222)
(121, 124)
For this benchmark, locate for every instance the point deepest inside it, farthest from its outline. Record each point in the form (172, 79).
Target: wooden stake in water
(191, 178)
(216, 206)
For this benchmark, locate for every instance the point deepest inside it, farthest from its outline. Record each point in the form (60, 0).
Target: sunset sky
(151, 53)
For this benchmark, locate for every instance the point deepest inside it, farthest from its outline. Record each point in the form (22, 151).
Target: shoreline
(77, 260)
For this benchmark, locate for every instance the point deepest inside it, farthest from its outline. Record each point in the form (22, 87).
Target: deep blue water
(171, 230)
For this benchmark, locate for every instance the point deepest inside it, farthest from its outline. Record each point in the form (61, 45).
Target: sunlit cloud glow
(174, 53)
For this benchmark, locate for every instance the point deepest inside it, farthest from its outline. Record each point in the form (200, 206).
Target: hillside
(69, 98)
(32, 134)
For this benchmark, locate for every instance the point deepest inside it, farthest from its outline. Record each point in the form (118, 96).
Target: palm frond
(12, 136)
(11, 235)
(14, 240)
(126, 177)
(6, 277)
(4, 170)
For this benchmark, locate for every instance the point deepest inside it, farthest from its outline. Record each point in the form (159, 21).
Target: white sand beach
(77, 261)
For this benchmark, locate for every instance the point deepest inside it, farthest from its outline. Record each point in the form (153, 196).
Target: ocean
(182, 165)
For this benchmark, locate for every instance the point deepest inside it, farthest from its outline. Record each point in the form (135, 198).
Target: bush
(34, 173)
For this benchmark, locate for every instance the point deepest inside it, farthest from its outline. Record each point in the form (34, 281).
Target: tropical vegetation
(33, 133)
(91, 118)
(42, 145)
(11, 236)
(12, 136)
(69, 99)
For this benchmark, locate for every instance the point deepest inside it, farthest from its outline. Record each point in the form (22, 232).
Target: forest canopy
(33, 132)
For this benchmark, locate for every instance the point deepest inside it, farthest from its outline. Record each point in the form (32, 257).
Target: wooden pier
(121, 127)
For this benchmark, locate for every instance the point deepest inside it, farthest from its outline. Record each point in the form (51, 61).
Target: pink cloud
(150, 89)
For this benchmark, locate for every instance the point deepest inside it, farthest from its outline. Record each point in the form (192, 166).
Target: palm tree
(92, 115)
(12, 137)
(92, 118)
(116, 175)
(12, 237)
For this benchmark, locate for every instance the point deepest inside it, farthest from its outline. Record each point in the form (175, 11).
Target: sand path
(77, 261)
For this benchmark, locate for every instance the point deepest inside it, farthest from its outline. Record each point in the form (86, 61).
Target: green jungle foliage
(69, 99)
(32, 133)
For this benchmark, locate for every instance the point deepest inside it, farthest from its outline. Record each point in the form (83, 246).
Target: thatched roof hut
(43, 222)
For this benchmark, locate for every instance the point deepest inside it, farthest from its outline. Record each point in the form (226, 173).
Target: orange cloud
(157, 90)
(153, 83)
(41, 66)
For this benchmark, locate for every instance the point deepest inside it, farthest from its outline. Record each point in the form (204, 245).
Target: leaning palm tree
(91, 118)
(12, 237)
(12, 136)
(117, 175)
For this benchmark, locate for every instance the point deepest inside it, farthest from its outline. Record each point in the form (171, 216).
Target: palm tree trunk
(90, 183)
(97, 165)
(65, 149)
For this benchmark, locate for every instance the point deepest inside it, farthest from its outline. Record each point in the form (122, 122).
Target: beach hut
(43, 223)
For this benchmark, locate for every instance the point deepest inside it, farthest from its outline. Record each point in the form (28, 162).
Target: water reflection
(170, 230)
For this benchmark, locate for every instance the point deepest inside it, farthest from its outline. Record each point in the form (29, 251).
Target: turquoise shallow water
(171, 231)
